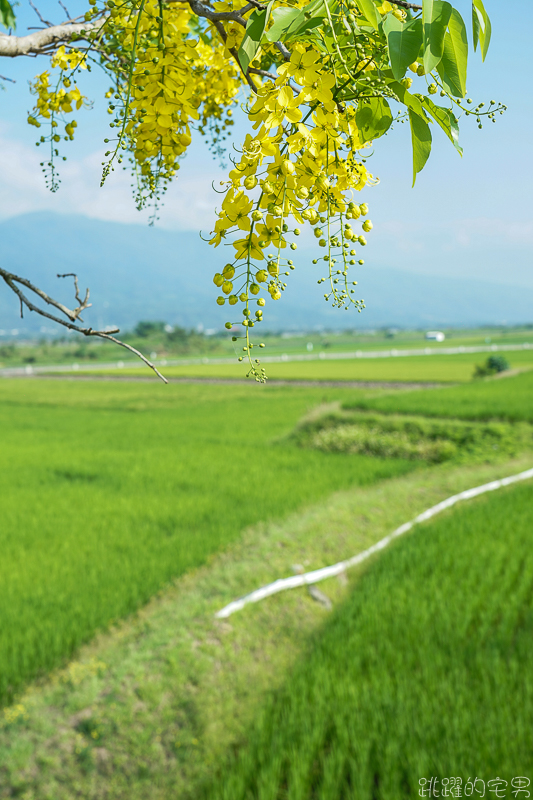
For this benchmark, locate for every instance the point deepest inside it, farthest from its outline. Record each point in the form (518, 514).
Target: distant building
(435, 336)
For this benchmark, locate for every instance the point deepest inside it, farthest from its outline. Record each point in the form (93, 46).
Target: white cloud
(189, 204)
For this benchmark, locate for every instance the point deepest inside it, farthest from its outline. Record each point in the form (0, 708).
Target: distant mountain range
(140, 273)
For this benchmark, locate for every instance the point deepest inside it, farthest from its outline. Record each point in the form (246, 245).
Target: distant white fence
(13, 372)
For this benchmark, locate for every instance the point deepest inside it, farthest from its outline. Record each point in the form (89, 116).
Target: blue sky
(469, 217)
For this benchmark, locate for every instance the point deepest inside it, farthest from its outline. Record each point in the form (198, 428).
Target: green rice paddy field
(111, 491)
(424, 672)
(426, 369)
(497, 399)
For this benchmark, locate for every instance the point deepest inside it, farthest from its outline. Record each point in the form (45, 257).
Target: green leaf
(373, 118)
(7, 15)
(421, 139)
(435, 18)
(255, 28)
(452, 66)
(283, 18)
(292, 22)
(481, 27)
(404, 40)
(455, 54)
(410, 100)
(369, 10)
(447, 121)
(317, 8)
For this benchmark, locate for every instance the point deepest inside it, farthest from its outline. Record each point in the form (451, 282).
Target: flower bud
(287, 167)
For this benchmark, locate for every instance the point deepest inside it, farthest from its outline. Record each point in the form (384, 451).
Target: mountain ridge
(136, 272)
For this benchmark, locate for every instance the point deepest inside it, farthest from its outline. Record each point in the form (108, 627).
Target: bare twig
(83, 304)
(13, 280)
(65, 9)
(44, 21)
(4, 78)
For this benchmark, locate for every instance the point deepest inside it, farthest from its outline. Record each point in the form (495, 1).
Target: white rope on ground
(335, 569)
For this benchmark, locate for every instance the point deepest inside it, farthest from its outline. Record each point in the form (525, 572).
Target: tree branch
(262, 72)
(404, 4)
(43, 41)
(40, 42)
(283, 50)
(13, 280)
(204, 11)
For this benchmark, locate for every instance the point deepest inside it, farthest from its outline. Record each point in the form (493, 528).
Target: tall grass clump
(424, 673)
(405, 436)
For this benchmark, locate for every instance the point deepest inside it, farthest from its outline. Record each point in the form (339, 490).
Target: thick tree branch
(41, 42)
(13, 282)
(48, 39)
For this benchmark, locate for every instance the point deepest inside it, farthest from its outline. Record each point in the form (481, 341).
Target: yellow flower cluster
(301, 166)
(57, 96)
(69, 59)
(53, 100)
(62, 97)
(177, 79)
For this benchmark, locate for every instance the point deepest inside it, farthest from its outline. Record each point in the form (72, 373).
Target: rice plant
(424, 674)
